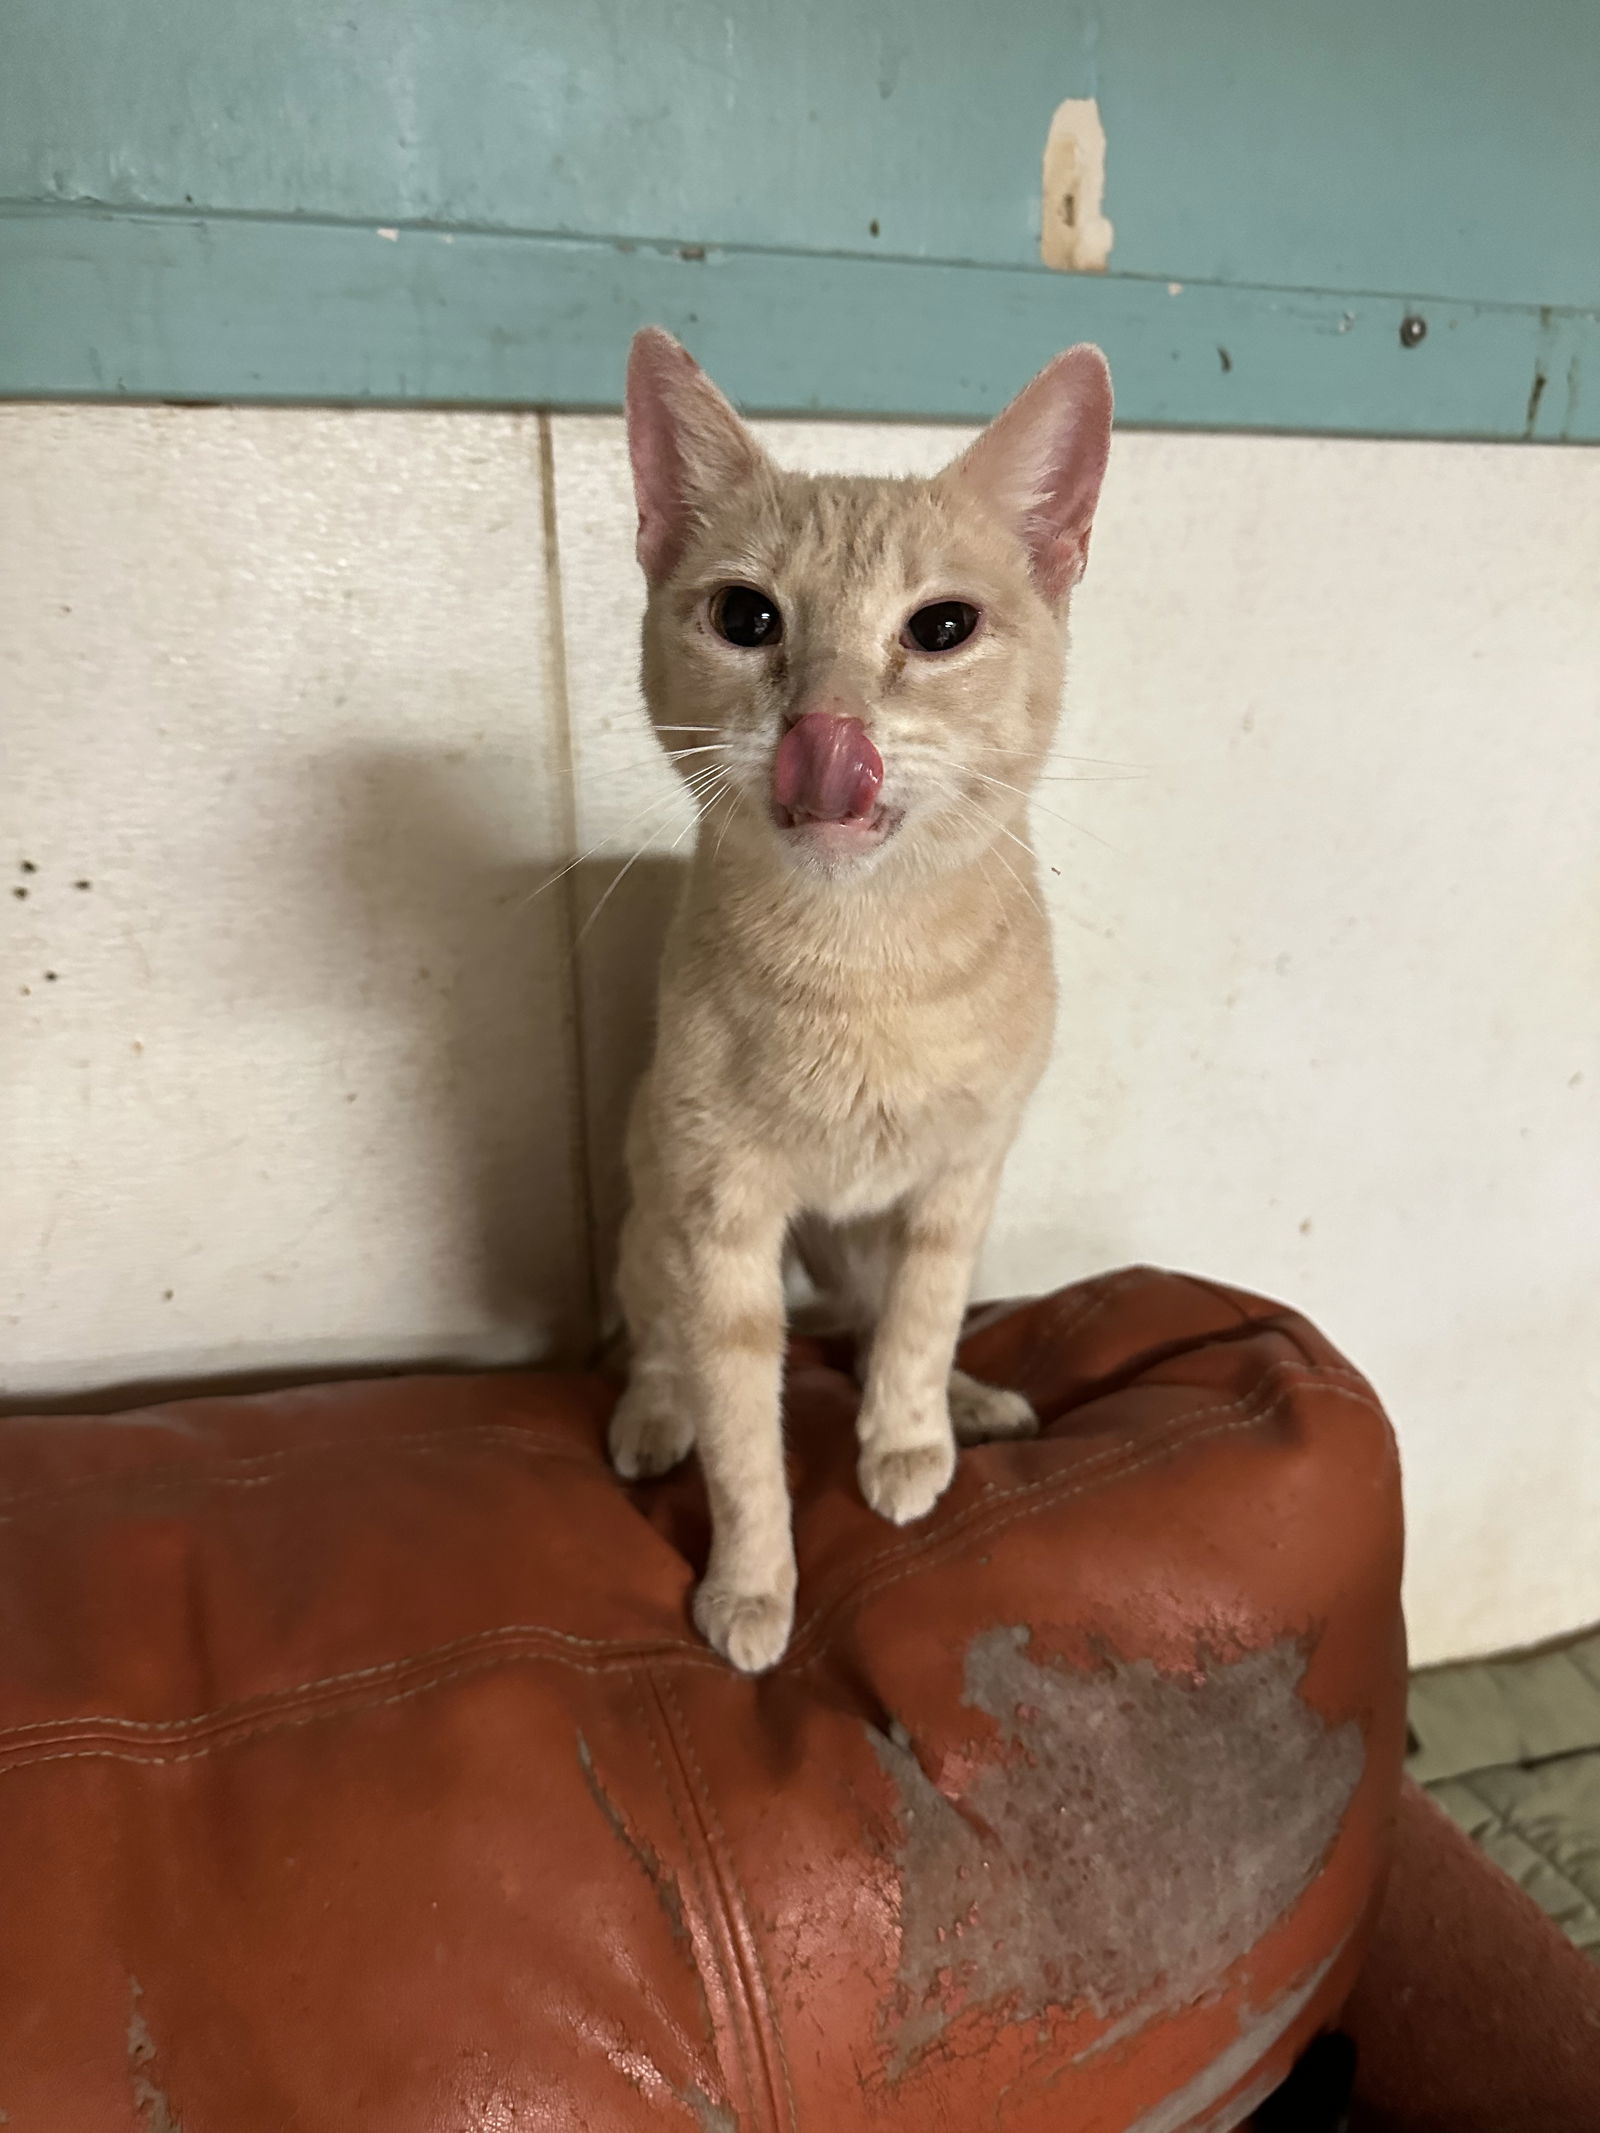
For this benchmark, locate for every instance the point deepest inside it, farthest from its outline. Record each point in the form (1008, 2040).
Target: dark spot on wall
(1225, 359)
(50, 977)
(20, 893)
(166, 1296)
(28, 867)
(691, 251)
(83, 884)
(1535, 395)
(872, 227)
(1413, 330)
(1166, 1822)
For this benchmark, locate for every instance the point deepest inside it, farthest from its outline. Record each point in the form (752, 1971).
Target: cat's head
(860, 672)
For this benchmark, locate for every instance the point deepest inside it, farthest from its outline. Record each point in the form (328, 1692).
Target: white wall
(297, 692)
(280, 687)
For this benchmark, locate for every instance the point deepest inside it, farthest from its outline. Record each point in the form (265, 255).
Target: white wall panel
(288, 1083)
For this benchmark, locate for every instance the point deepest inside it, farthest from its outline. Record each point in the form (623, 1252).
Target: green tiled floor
(1511, 1749)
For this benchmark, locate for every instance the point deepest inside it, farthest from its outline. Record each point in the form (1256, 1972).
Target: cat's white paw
(750, 1629)
(646, 1437)
(901, 1485)
(981, 1413)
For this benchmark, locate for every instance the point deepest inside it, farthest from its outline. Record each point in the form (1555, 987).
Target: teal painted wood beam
(104, 305)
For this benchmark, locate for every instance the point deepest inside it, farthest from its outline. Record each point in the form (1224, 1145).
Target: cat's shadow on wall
(524, 1001)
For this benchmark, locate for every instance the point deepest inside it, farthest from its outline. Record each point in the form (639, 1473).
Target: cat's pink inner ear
(1041, 461)
(687, 445)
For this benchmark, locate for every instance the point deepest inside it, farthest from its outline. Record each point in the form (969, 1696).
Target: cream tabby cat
(857, 993)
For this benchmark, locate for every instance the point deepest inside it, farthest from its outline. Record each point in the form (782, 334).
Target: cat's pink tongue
(827, 769)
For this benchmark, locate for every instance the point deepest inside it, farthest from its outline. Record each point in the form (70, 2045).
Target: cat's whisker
(1033, 801)
(609, 891)
(632, 861)
(1023, 845)
(651, 807)
(606, 895)
(664, 755)
(1072, 777)
(1085, 925)
(967, 810)
(909, 752)
(995, 852)
(701, 775)
(1065, 755)
(972, 813)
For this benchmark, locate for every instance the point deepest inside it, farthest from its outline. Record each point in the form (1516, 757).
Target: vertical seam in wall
(567, 884)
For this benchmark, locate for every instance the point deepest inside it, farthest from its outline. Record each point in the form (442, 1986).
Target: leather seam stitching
(991, 1514)
(709, 1902)
(532, 1634)
(1057, 1324)
(1114, 1464)
(158, 1479)
(737, 1908)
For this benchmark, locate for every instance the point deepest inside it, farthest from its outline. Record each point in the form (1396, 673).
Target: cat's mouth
(839, 836)
(827, 785)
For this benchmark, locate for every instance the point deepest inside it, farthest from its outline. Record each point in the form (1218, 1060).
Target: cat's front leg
(726, 1262)
(915, 1405)
(652, 1428)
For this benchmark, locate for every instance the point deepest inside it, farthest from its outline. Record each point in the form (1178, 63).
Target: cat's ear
(1040, 463)
(687, 445)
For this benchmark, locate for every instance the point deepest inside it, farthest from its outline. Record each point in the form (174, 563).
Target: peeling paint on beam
(1074, 234)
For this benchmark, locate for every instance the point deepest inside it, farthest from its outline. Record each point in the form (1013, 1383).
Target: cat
(860, 680)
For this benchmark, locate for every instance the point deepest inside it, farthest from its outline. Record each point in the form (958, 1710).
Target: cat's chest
(866, 1103)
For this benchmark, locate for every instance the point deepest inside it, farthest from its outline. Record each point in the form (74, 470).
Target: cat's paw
(646, 1437)
(750, 1629)
(903, 1484)
(981, 1413)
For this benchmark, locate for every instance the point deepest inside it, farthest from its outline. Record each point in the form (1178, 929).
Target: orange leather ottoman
(360, 1771)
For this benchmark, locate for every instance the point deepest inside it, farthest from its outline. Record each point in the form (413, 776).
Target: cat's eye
(746, 616)
(941, 627)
